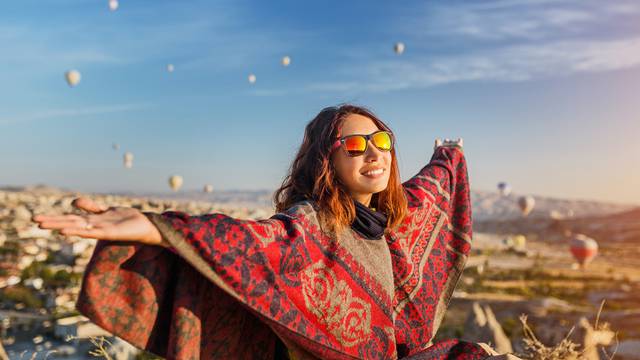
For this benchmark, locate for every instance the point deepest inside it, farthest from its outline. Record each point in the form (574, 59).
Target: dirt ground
(544, 282)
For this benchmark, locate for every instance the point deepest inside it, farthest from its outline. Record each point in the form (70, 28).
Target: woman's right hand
(103, 223)
(459, 142)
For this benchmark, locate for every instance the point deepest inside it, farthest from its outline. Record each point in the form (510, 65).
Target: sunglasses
(356, 145)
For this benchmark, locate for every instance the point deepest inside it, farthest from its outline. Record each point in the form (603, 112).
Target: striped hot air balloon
(584, 249)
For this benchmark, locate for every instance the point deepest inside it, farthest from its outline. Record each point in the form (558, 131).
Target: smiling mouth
(373, 173)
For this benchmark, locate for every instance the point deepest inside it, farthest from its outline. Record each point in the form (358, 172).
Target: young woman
(353, 265)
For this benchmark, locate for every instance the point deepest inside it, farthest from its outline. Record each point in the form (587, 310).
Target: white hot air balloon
(170, 68)
(175, 182)
(583, 249)
(526, 204)
(113, 5)
(252, 78)
(208, 188)
(72, 77)
(504, 189)
(128, 160)
(398, 48)
(286, 61)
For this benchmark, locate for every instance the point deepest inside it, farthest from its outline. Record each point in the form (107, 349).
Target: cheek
(344, 167)
(389, 162)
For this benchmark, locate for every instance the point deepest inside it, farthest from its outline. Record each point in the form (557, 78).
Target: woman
(353, 265)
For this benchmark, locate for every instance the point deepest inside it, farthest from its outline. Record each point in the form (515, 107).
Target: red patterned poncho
(234, 285)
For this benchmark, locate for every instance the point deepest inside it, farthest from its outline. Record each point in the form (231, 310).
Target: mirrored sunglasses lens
(355, 145)
(382, 141)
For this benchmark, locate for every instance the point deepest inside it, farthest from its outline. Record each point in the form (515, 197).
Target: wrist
(156, 238)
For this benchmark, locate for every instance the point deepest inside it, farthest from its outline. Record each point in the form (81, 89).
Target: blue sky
(544, 92)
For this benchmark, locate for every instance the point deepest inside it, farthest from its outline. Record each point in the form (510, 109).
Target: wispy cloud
(509, 64)
(503, 41)
(515, 20)
(193, 35)
(72, 112)
(26, 47)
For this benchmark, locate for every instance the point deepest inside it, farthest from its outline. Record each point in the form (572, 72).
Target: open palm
(103, 223)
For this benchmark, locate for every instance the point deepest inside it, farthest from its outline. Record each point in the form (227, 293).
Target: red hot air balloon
(584, 249)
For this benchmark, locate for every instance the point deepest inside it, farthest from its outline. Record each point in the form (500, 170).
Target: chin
(375, 189)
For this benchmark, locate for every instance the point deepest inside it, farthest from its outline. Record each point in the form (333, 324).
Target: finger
(56, 218)
(58, 225)
(65, 223)
(94, 233)
(89, 205)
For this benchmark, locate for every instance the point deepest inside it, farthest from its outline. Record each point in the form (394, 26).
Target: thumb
(89, 205)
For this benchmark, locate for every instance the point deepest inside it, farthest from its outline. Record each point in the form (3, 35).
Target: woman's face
(355, 172)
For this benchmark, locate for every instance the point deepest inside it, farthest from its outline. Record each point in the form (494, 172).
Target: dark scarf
(369, 223)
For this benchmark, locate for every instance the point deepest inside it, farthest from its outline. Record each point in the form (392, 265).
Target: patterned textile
(234, 285)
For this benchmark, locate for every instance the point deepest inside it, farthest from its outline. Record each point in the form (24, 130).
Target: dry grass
(101, 346)
(565, 349)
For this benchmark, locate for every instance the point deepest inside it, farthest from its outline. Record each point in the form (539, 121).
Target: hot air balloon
(208, 188)
(398, 48)
(583, 248)
(115, 146)
(519, 241)
(72, 77)
(526, 204)
(252, 78)
(170, 67)
(175, 181)
(286, 61)
(113, 5)
(556, 215)
(128, 160)
(504, 189)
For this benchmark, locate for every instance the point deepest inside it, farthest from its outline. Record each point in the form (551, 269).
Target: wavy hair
(312, 176)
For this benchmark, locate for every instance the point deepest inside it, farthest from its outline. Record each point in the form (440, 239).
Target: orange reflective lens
(356, 145)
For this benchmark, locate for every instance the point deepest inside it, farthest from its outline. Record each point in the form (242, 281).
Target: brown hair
(312, 177)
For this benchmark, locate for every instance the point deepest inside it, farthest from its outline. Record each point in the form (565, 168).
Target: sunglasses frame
(340, 142)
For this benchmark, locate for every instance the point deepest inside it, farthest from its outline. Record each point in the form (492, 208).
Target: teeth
(373, 172)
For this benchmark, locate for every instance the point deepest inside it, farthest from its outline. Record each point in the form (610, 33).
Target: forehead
(358, 124)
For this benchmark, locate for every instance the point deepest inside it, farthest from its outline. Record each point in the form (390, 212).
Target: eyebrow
(374, 131)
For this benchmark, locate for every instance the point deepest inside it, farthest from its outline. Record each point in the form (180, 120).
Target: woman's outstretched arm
(195, 305)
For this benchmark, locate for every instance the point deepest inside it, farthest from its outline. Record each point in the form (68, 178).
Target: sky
(544, 92)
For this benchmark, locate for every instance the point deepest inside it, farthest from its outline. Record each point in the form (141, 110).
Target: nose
(373, 154)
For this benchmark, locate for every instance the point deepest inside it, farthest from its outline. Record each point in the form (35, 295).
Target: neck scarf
(369, 223)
